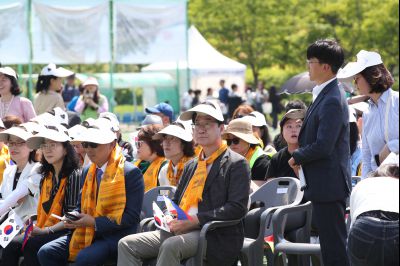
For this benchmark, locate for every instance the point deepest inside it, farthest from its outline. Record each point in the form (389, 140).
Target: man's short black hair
(328, 52)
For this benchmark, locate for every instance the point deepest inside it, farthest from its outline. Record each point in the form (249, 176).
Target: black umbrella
(300, 83)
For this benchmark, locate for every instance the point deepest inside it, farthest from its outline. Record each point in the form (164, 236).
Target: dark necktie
(99, 174)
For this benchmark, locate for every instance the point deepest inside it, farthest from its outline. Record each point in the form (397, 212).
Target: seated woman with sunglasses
(59, 191)
(177, 143)
(21, 179)
(150, 155)
(241, 139)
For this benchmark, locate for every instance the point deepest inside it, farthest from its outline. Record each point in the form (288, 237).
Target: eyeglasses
(206, 125)
(139, 144)
(233, 141)
(309, 62)
(16, 144)
(89, 145)
(48, 146)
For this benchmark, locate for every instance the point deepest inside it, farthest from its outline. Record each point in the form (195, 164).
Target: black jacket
(324, 151)
(225, 197)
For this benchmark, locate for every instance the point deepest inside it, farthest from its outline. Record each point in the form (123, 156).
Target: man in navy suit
(324, 151)
(99, 142)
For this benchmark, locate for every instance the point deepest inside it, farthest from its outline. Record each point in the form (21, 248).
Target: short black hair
(295, 104)
(43, 83)
(327, 51)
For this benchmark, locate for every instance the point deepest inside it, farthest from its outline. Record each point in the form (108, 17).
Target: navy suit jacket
(134, 189)
(324, 152)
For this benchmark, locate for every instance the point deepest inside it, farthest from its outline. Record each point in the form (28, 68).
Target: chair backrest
(155, 195)
(277, 192)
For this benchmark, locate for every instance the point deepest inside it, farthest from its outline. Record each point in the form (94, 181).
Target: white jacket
(28, 185)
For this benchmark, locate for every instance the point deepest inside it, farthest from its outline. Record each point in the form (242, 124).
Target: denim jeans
(374, 242)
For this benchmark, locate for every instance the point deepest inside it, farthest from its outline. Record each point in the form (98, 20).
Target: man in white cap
(48, 88)
(109, 205)
(214, 187)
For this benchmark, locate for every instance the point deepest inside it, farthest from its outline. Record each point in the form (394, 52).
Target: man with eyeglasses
(324, 151)
(108, 207)
(213, 187)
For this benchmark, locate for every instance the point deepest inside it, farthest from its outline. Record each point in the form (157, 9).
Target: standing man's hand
(294, 166)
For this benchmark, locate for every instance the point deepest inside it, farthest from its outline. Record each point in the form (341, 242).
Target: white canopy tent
(207, 66)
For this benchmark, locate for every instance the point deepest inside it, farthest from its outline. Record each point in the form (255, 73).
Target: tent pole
(29, 20)
(111, 64)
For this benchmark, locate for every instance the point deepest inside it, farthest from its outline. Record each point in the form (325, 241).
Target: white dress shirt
(317, 89)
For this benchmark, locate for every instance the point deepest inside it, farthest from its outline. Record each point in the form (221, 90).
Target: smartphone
(71, 216)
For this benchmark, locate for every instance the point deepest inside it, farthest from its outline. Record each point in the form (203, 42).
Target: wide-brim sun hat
(52, 70)
(57, 133)
(8, 71)
(18, 131)
(209, 108)
(364, 59)
(97, 132)
(242, 129)
(175, 130)
(293, 114)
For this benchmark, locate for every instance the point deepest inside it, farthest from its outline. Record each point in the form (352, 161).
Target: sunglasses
(233, 141)
(89, 145)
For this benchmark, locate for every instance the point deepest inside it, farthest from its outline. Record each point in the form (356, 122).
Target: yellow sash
(45, 219)
(194, 191)
(172, 178)
(151, 175)
(4, 161)
(250, 153)
(110, 201)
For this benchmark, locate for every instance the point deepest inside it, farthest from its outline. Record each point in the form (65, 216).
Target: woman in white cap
(91, 103)
(48, 88)
(10, 101)
(21, 179)
(177, 143)
(150, 155)
(290, 126)
(380, 134)
(260, 128)
(59, 191)
(241, 139)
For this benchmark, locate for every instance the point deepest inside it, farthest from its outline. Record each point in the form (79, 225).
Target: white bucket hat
(56, 116)
(52, 70)
(18, 131)
(208, 108)
(90, 81)
(364, 59)
(256, 119)
(56, 133)
(96, 132)
(8, 71)
(112, 118)
(177, 130)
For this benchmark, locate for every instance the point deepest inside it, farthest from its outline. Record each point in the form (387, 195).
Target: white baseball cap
(90, 81)
(8, 71)
(364, 59)
(56, 133)
(54, 117)
(177, 130)
(52, 70)
(97, 131)
(112, 118)
(256, 119)
(76, 132)
(210, 108)
(18, 131)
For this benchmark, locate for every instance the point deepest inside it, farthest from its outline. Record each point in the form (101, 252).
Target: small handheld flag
(27, 234)
(175, 210)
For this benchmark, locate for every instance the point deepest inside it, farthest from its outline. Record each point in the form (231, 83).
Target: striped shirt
(373, 136)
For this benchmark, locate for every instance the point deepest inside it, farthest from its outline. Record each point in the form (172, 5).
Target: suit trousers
(330, 222)
(166, 247)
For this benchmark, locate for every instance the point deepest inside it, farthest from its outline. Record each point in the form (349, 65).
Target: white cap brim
(364, 59)
(202, 109)
(15, 131)
(35, 141)
(95, 135)
(175, 131)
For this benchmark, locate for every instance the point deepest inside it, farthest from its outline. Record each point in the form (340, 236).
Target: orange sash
(45, 219)
(194, 191)
(4, 160)
(250, 153)
(110, 201)
(172, 178)
(151, 175)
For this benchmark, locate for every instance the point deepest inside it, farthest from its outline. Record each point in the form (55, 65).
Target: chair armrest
(144, 223)
(201, 250)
